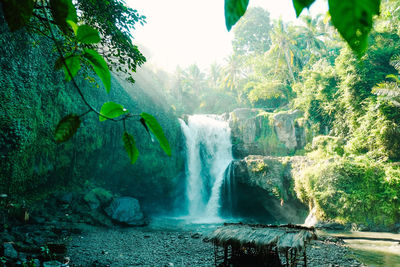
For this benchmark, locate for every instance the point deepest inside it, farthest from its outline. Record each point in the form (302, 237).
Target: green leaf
(156, 129)
(393, 77)
(234, 10)
(353, 20)
(130, 147)
(63, 10)
(67, 127)
(111, 110)
(73, 63)
(299, 5)
(87, 35)
(17, 12)
(73, 25)
(100, 67)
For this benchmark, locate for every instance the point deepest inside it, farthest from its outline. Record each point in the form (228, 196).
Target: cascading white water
(209, 152)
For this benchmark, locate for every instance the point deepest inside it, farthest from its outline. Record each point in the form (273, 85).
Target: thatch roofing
(283, 237)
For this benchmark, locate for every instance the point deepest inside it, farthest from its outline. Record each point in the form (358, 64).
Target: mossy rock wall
(256, 132)
(263, 188)
(34, 97)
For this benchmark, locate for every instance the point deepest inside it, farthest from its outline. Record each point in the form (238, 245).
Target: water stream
(209, 152)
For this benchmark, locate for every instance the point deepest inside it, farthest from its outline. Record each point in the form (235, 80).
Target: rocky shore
(148, 247)
(97, 228)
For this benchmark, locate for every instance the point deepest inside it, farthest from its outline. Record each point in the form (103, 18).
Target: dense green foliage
(352, 190)
(353, 18)
(74, 41)
(350, 105)
(34, 98)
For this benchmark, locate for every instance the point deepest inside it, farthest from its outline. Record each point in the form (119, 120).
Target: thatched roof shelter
(288, 240)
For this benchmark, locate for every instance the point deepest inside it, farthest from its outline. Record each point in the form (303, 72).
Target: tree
(390, 90)
(284, 48)
(353, 19)
(77, 41)
(232, 72)
(252, 33)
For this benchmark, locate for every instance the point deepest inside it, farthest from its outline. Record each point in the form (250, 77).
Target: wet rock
(6, 237)
(126, 210)
(329, 226)
(37, 219)
(98, 197)
(66, 198)
(52, 264)
(359, 227)
(9, 251)
(196, 236)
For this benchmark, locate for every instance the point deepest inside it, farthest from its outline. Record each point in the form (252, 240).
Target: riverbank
(146, 246)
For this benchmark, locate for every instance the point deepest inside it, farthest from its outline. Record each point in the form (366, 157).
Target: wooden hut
(261, 245)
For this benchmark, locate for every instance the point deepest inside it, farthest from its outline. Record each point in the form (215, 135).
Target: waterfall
(229, 193)
(209, 152)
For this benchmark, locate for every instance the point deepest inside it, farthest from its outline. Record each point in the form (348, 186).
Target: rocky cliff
(34, 97)
(263, 188)
(256, 132)
(260, 178)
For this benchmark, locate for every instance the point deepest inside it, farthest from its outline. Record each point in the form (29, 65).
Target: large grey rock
(9, 251)
(284, 124)
(126, 210)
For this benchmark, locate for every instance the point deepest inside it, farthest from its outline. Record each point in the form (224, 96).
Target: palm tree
(232, 72)
(390, 90)
(214, 75)
(195, 79)
(284, 48)
(309, 35)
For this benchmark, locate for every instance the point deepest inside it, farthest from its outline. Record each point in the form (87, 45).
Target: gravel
(145, 246)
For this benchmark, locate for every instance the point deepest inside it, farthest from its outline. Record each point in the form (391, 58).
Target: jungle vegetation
(350, 102)
(344, 79)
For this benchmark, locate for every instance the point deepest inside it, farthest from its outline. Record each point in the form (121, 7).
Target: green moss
(34, 98)
(267, 137)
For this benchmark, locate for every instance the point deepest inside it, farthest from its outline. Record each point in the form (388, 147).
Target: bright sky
(183, 32)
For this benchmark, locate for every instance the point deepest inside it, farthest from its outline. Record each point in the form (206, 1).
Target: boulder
(98, 197)
(66, 198)
(9, 251)
(126, 210)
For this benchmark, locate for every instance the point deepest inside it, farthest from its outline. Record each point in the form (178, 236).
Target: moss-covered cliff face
(34, 97)
(263, 188)
(256, 132)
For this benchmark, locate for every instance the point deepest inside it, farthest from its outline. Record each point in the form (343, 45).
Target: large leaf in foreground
(299, 5)
(353, 20)
(130, 147)
(87, 35)
(72, 62)
(67, 127)
(63, 10)
(17, 12)
(100, 67)
(157, 131)
(234, 10)
(111, 110)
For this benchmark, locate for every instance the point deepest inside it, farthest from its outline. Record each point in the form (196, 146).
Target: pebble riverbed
(159, 247)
